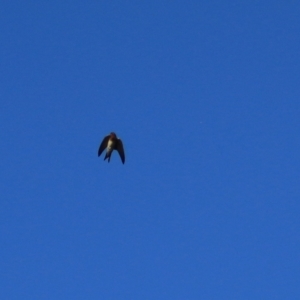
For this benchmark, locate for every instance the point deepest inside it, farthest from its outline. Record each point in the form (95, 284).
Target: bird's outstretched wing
(103, 145)
(120, 149)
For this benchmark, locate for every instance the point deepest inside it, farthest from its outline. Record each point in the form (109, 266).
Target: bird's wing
(120, 149)
(103, 145)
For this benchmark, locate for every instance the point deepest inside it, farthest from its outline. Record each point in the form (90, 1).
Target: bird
(112, 142)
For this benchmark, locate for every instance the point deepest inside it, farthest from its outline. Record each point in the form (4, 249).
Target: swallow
(110, 143)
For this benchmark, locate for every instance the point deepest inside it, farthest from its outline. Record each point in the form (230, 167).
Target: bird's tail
(107, 155)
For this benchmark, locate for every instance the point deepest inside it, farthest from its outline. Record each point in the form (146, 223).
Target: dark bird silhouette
(110, 143)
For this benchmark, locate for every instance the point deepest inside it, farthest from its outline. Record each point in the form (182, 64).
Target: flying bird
(110, 143)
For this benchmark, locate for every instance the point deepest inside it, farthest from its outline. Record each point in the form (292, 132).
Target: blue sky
(205, 96)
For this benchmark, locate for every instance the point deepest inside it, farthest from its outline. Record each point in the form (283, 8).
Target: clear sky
(204, 95)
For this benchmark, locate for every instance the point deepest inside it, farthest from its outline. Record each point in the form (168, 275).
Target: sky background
(204, 95)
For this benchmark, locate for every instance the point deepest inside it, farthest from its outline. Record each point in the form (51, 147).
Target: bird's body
(110, 143)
